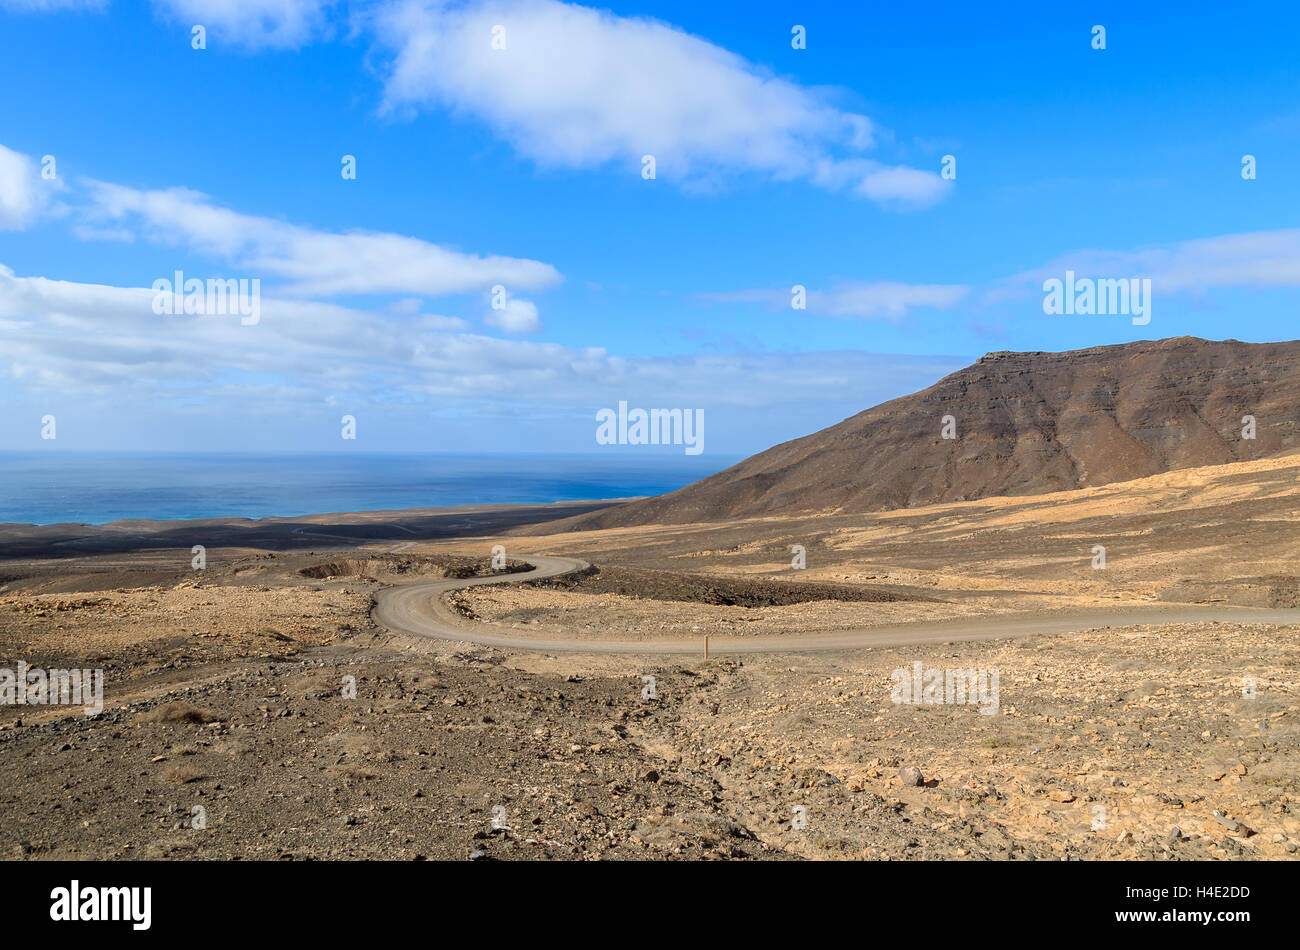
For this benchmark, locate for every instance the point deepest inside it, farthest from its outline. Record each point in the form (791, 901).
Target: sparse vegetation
(179, 712)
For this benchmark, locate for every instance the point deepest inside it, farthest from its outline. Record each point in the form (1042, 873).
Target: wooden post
(706, 646)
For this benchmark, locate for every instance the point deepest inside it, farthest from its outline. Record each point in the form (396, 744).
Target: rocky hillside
(1021, 423)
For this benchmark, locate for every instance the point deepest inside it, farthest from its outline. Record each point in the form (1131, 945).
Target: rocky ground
(231, 691)
(459, 758)
(1130, 743)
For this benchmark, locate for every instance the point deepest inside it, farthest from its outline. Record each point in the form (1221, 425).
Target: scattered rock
(911, 776)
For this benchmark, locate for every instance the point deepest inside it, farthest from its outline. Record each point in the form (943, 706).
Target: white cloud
(517, 316)
(581, 88)
(254, 24)
(405, 305)
(884, 299)
(902, 185)
(63, 337)
(315, 263)
(1255, 259)
(866, 300)
(75, 337)
(22, 191)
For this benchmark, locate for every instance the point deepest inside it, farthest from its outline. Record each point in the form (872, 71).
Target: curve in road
(419, 609)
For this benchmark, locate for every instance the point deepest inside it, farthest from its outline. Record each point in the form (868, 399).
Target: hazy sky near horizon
(127, 155)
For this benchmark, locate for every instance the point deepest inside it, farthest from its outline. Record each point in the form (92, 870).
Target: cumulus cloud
(254, 24)
(313, 262)
(71, 336)
(901, 185)
(22, 191)
(580, 87)
(517, 316)
(101, 340)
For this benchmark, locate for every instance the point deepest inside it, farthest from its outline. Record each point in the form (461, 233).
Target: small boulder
(911, 776)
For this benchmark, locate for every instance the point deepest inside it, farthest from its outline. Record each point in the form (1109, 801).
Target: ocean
(52, 487)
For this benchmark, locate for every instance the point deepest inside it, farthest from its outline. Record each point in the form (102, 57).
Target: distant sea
(51, 487)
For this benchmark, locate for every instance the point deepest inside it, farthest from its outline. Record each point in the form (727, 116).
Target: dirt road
(420, 610)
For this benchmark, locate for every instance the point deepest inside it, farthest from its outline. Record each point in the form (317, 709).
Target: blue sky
(521, 167)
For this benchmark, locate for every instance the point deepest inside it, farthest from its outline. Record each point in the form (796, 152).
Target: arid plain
(227, 688)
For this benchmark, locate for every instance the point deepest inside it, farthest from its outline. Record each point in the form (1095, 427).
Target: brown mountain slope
(1026, 423)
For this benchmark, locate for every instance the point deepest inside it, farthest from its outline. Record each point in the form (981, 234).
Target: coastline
(66, 539)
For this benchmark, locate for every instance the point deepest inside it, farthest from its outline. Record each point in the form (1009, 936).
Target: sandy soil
(226, 690)
(615, 616)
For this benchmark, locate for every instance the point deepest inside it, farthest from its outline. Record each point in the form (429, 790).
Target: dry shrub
(352, 773)
(179, 712)
(182, 774)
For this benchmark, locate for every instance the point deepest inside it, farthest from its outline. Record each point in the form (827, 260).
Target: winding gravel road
(419, 609)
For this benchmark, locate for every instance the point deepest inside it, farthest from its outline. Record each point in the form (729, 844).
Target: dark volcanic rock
(1026, 423)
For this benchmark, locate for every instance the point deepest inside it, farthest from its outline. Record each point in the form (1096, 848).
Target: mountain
(1025, 423)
